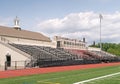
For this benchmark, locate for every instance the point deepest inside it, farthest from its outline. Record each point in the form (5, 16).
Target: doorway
(58, 44)
(8, 60)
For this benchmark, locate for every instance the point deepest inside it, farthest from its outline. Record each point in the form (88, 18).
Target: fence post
(15, 65)
(25, 65)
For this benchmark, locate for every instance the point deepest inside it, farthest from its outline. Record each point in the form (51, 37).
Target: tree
(112, 48)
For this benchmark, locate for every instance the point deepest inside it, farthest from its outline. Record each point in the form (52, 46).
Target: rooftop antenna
(16, 23)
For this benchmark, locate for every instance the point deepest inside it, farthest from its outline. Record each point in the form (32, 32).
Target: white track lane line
(96, 78)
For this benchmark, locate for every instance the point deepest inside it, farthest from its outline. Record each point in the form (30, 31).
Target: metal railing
(14, 65)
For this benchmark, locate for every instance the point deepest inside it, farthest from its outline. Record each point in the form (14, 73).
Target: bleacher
(45, 56)
(104, 56)
(60, 53)
(34, 52)
(102, 53)
(82, 54)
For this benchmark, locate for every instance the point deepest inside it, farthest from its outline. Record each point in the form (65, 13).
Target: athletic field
(70, 77)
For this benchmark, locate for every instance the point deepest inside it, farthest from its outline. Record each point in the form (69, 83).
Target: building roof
(25, 34)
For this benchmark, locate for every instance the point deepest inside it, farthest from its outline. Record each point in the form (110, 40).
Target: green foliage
(112, 48)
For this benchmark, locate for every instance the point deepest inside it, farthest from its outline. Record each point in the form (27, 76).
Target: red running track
(25, 72)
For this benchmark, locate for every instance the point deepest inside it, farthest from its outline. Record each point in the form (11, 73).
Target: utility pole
(101, 17)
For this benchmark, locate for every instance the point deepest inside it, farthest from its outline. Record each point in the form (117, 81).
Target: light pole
(101, 17)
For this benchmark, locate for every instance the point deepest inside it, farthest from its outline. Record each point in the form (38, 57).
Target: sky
(68, 18)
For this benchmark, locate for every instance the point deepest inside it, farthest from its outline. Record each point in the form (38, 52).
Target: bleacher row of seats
(81, 54)
(66, 63)
(34, 52)
(95, 55)
(102, 53)
(40, 53)
(46, 56)
(58, 52)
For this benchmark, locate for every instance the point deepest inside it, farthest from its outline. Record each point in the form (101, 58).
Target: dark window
(8, 60)
(58, 44)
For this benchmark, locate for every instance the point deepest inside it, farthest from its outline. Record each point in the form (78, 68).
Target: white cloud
(84, 24)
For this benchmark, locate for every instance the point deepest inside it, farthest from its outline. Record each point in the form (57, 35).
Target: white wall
(93, 49)
(15, 56)
(27, 41)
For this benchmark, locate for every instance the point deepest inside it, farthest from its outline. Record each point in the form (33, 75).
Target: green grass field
(68, 77)
(109, 80)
